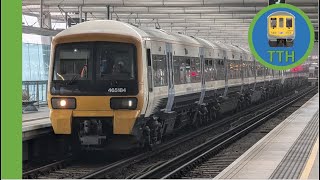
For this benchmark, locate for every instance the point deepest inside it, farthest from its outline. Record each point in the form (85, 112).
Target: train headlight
(123, 103)
(63, 103)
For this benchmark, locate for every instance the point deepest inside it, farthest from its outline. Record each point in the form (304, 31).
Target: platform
(35, 123)
(289, 151)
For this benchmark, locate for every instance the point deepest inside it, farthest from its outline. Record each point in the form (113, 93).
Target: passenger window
(159, 70)
(281, 22)
(289, 22)
(273, 22)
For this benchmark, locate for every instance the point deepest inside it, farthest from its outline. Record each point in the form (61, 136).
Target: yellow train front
(95, 90)
(281, 29)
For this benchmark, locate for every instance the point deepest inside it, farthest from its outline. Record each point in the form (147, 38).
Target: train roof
(104, 26)
(117, 27)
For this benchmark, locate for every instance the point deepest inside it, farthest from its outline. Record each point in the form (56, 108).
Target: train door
(171, 91)
(203, 81)
(255, 74)
(226, 67)
(150, 97)
(241, 73)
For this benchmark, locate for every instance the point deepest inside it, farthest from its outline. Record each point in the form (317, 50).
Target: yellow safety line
(310, 162)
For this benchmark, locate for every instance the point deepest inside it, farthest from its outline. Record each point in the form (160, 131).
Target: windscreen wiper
(71, 81)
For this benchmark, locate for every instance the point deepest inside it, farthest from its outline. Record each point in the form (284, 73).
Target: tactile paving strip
(294, 161)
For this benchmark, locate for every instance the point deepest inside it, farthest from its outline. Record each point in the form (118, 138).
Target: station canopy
(216, 20)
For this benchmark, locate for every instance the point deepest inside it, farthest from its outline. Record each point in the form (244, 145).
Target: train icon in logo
(281, 29)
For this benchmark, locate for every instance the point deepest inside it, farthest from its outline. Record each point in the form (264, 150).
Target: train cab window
(273, 22)
(115, 61)
(72, 62)
(289, 22)
(281, 22)
(159, 70)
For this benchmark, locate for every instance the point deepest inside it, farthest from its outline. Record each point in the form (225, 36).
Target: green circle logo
(281, 36)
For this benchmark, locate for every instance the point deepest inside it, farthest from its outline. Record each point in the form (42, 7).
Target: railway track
(215, 165)
(177, 167)
(70, 168)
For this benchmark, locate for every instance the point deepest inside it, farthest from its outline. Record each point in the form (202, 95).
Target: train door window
(238, 69)
(244, 69)
(159, 70)
(259, 70)
(183, 70)
(194, 71)
(250, 66)
(281, 22)
(230, 69)
(212, 70)
(207, 70)
(273, 22)
(188, 70)
(289, 22)
(198, 69)
(176, 69)
(220, 70)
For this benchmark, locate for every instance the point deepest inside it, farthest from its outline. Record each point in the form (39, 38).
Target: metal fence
(36, 91)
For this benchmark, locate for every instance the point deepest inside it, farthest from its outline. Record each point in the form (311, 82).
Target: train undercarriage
(97, 133)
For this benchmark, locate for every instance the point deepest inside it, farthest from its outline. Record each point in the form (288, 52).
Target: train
(117, 85)
(281, 29)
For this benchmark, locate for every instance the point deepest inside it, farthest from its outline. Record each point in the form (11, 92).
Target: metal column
(80, 14)
(41, 13)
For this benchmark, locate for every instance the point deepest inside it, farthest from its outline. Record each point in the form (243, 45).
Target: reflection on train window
(72, 63)
(115, 61)
(273, 22)
(159, 70)
(281, 22)
(289, 22)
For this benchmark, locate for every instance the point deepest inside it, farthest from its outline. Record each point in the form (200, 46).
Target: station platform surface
(289, 151)
(35, 123)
